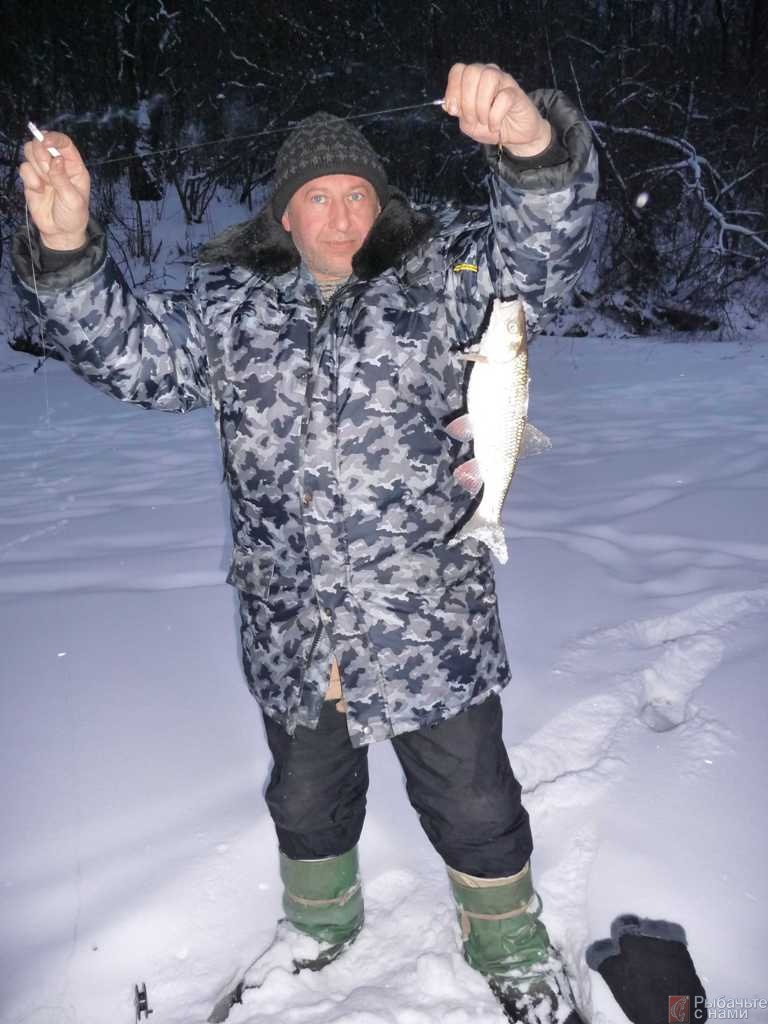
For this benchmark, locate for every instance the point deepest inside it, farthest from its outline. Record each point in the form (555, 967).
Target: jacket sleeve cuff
(56, 271)
(564, 158)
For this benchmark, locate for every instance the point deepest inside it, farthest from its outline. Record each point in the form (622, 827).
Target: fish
(496, 420)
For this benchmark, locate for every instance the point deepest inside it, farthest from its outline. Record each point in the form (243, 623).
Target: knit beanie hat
(323, 144)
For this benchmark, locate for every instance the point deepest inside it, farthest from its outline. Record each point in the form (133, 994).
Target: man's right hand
(57, 190)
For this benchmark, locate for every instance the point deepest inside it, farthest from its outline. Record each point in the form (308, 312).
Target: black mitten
(647, 966)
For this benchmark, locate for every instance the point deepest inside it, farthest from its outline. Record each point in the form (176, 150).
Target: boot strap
(337, 901)
(468, 915)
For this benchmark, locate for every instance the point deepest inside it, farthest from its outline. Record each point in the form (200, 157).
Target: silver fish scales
(496, 419)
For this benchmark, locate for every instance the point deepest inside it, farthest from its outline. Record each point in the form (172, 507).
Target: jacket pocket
(435, 390)
(252, 572)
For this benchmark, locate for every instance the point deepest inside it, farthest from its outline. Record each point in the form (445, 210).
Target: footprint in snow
(574, 754)
(674, 677)
(687, 647)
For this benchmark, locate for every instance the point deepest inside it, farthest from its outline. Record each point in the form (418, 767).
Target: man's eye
(356, 197)
(317, 199)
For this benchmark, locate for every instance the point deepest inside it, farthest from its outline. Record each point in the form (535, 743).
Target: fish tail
(491, 534)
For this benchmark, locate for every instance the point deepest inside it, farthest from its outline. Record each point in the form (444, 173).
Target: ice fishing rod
(239, 138)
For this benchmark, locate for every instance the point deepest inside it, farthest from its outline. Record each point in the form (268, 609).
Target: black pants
(458, 779)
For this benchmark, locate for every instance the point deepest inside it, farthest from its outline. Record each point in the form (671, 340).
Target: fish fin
(467, 475)
(460, 428)
(490, 534)
(534, 441)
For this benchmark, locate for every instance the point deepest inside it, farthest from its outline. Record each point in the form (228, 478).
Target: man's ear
(285, 220)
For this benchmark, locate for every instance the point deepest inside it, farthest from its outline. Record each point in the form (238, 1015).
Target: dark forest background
(676, 90)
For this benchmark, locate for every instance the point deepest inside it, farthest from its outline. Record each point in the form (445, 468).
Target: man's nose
(339, 216)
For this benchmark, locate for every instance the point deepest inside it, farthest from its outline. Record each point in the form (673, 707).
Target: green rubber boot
(323, 905)
(499, 919)
(323, 898)
(506, 941)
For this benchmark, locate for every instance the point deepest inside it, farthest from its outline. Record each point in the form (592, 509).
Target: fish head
(505, 336)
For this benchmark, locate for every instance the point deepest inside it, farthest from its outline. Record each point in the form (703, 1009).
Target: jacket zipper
(312, 649)
(321, 308)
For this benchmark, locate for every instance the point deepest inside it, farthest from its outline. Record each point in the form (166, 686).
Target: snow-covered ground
(136, 846)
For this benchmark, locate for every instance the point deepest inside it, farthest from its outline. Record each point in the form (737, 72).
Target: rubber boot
(323, 904)
(504, 939)
(323, 898)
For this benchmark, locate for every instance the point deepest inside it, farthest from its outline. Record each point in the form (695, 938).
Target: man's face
(329, 219)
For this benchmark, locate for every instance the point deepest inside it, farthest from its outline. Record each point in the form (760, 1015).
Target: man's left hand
(492, 108)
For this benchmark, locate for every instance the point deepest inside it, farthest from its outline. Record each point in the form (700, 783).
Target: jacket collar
(265, 247)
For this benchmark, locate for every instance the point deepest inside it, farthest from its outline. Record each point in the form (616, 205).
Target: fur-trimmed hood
(265, 247)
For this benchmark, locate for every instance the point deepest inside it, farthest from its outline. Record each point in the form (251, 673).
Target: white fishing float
(41, 138)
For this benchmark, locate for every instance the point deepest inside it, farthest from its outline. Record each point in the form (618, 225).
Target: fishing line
(184, 149)
(40, 326)
(254, 135)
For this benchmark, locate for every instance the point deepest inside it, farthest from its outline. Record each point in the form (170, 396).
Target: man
(327, 334)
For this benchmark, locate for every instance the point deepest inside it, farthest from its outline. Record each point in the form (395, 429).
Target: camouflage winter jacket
(332, 427)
